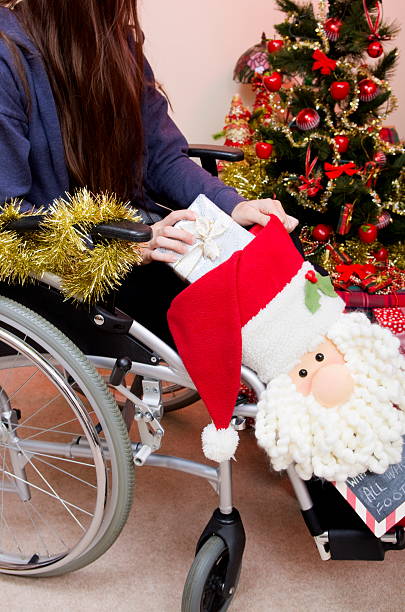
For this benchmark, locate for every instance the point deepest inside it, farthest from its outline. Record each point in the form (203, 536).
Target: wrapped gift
(217, 237)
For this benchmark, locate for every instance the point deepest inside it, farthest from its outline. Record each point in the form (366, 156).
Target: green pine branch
(385, 67)
(365, 109)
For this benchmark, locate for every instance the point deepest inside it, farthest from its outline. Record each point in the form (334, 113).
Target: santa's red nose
(332, 385)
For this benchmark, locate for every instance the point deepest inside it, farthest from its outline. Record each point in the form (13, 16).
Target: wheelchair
(73, 379)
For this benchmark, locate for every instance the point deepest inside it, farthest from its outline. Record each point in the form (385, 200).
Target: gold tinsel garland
(61, 246)
(249, 176)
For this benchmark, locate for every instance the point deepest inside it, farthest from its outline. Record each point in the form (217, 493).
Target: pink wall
(193, 46)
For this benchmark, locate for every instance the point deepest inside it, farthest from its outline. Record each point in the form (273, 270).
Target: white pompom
(219, 444)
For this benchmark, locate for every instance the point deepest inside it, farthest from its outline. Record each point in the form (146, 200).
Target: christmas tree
(325, 77)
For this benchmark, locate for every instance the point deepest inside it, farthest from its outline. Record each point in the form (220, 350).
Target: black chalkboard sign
(379, 499)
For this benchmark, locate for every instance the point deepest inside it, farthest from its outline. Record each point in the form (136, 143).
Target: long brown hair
(92, 51)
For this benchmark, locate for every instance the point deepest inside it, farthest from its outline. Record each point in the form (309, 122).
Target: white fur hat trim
(219, 444)
(275, 339)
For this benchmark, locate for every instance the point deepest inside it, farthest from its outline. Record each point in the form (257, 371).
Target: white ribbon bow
(205, 231)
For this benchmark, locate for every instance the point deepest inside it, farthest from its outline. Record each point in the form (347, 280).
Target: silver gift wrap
(217, 237)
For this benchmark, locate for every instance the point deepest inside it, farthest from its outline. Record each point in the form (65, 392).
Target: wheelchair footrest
(355, 545)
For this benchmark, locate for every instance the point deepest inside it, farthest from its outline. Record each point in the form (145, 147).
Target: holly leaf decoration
(325, 285)
(313, 290)
(312, 296)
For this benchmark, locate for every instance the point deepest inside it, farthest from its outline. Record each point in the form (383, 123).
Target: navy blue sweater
(32, 161)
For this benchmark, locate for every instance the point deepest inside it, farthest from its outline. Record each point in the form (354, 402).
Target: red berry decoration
(342, 143)
(322, 232)
(380, 158)
(339, 90)
(375, 49)
(368, 90)
(381, 254)
(307, 119)
(263, 150)
(274, 45)
(273, 82)
(311, 276)
(368, 233)
(332, 28)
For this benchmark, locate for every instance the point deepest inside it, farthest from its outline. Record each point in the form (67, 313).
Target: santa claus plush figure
(334, 402)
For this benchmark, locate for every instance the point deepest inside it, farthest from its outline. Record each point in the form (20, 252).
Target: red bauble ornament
(273, 81)
(274, 45)
(263, 150)
(342, 143)
(381, 254)
(339, 90)
(380, 158)
(368, 233)
(322, 232)
(368, 90)
(375, 49)
(307, 119)
(332, 28)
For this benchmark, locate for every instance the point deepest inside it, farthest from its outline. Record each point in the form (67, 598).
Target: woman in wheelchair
(79, 107)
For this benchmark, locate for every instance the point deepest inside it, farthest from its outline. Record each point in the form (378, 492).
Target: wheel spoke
(55, 467)
(53, 429)
(34, 414)
(64, 502)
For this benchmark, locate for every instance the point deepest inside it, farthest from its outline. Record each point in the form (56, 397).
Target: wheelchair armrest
(120, 230)
(123, 230)
(25, 224)
(208, 155)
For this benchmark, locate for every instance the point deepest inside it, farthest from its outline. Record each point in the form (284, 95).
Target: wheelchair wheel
(65, 489)
(203, 590)
(176, 397)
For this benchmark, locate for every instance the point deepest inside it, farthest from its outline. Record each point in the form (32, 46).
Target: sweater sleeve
(171, 177)
(15, 174)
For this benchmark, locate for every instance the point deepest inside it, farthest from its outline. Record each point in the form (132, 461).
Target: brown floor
(146, 568)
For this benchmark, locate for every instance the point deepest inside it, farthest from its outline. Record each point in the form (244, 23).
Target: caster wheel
(204, 588)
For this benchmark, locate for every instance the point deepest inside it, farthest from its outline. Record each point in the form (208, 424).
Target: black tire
(203, 588)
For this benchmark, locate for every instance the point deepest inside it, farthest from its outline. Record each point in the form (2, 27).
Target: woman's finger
(254, 215)
(178, 215)
(166, 257)
(177, 233)
(169, 243)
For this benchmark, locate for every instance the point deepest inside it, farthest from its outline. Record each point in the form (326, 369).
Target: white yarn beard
(365, 433)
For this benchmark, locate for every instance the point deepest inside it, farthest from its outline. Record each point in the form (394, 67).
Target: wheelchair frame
(164, 364)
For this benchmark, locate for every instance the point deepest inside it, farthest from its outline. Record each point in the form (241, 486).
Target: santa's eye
(319, 356)
(303, 373)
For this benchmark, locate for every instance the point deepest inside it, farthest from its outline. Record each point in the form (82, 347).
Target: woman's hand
(164, 235)
(259, 211)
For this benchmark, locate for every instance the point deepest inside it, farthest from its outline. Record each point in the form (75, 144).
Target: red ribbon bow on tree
(310, 185)
(347, 271)
(323, 62)
(333, 172)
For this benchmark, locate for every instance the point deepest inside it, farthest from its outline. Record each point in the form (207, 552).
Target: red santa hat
(264, 307)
